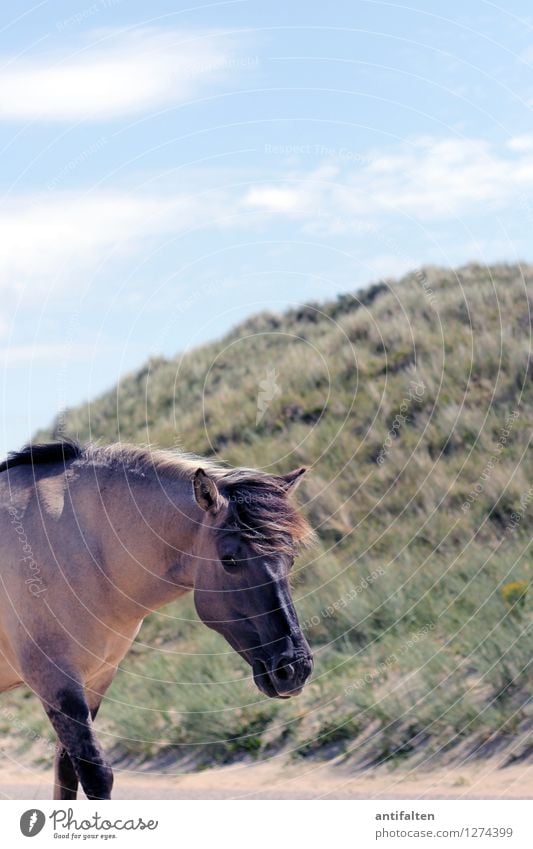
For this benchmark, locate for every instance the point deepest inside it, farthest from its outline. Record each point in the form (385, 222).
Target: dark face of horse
(243, 592)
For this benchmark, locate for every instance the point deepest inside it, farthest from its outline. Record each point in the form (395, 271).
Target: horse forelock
(258, 508)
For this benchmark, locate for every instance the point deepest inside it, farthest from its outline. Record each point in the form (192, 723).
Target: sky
(168, 169)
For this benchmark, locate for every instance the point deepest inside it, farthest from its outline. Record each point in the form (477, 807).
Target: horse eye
(229, 562)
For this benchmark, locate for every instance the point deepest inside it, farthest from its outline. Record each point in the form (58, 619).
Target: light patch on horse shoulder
(51, 492)
(15, 492)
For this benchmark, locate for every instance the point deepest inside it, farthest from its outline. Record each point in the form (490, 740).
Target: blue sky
(167, 171)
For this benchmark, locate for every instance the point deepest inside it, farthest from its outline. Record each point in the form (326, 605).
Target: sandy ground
(274, 780)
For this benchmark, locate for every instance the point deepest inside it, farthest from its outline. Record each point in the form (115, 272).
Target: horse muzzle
(282, 676)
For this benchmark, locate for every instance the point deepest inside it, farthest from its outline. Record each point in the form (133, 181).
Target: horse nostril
(284, 671)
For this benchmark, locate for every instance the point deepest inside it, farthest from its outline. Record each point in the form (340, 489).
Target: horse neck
(153, 523)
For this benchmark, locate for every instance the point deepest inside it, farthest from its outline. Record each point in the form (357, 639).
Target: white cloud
(429, 178)
(50, 239)
(521, 144)
(118, 74)
(274, 199)
(47, 240)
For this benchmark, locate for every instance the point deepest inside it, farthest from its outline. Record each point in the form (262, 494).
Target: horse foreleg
(65, 778)
(69, 713)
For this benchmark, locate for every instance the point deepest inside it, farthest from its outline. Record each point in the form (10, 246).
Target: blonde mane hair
(259, 508)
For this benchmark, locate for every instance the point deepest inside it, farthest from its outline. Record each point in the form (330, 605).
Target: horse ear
(206, 493)
(292, 480)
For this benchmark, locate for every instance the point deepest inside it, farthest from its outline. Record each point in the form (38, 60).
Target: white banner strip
(269, 824)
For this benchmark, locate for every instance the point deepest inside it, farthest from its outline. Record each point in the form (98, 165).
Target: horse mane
(258, 505)
(41, 453)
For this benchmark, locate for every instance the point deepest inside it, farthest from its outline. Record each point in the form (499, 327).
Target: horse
(94, 538)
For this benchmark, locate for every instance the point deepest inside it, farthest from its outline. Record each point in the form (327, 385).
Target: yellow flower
(514, 593)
